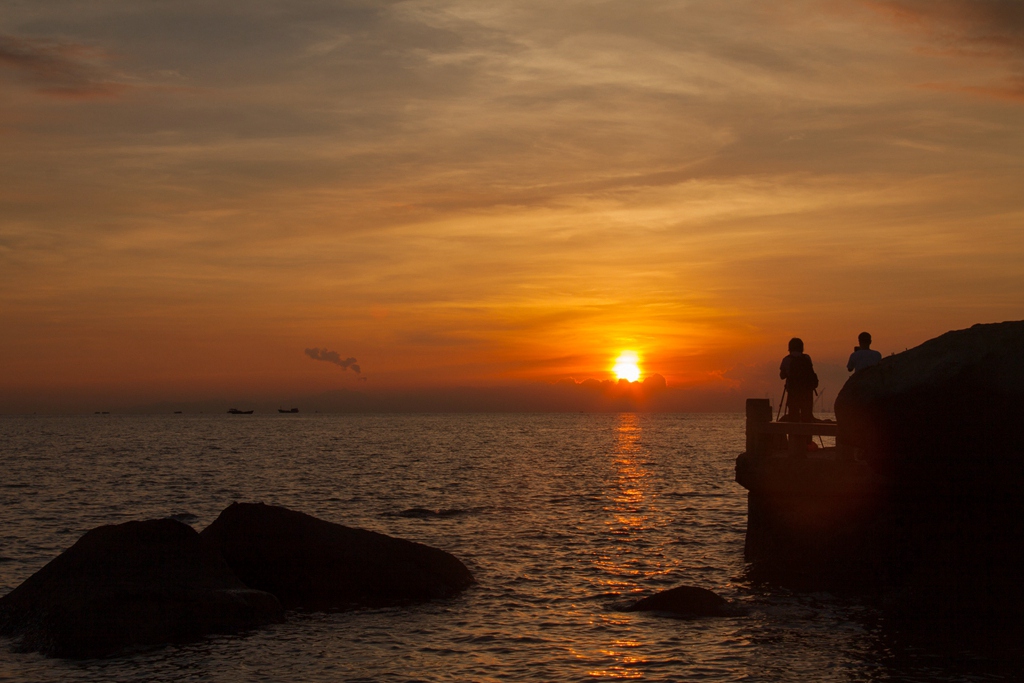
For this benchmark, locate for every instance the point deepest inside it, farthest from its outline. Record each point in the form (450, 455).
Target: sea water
(562, 518)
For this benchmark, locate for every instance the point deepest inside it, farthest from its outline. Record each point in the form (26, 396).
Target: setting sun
(626, 366)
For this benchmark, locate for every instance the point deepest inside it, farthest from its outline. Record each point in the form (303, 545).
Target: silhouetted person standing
(801, 381)
(863, 356)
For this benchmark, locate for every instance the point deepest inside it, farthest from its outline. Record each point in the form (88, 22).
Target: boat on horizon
(282, 410)
(236, 411)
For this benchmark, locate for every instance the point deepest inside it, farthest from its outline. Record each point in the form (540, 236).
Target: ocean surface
(563, 519)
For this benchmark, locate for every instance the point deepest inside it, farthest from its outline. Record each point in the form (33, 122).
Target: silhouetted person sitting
(863, 356)
(801, 381)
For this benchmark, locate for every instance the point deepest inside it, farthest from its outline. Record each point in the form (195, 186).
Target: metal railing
(762, 433)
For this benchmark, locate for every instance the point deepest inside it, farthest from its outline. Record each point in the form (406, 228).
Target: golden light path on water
(630, 516)
(564, 519)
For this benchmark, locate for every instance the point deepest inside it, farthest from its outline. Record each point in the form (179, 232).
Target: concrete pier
(922, 498)
(813, 516)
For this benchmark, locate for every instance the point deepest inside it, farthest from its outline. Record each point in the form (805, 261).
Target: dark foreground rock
(131, 585)
(954, 404)
(312, 564)
(943, 425)
(687, 601)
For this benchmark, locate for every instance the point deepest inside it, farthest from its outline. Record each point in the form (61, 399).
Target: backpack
(801, 375)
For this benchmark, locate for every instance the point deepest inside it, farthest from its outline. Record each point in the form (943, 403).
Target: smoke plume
(333, 357)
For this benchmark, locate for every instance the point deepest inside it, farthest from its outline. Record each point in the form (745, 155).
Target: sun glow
(626, 366)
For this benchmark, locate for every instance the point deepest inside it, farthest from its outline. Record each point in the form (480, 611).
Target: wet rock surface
(131, 585)
(312, 564)
(686, 601)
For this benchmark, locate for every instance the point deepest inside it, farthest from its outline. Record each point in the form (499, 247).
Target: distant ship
(236, 411)
(282, 410)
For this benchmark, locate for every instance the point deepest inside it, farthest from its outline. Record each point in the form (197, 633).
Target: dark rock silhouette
(689, 601)
(131, 585)
(944, 424)
(921, 500)
(955, 402)
(312, 564)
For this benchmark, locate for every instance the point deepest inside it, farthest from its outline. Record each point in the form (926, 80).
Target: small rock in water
(312, 564)
(131, 585)
(688, 601)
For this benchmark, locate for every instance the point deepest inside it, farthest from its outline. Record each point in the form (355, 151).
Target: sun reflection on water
(629, 518)
(629, 497)
(628, 505)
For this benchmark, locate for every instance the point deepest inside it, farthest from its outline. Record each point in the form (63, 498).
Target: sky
(269, 200)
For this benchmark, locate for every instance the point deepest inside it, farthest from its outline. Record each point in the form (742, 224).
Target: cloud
(333, 357)
(60, 69)
(997, 23)
(532, 186)
(429, 338)
(979, 29)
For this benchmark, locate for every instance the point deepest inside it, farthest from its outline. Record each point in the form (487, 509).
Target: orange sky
(459, 193)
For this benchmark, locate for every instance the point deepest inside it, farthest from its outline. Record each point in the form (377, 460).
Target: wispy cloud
(974, 29)
(61, 69)
(526, 187)
(334, 357)
(997, 24)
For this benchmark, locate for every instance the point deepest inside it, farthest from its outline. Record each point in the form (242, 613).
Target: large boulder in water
(686, 601)
(131, 585)
(312, 564)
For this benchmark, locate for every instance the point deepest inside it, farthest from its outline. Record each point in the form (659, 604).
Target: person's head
(865, 340)
(796, 345)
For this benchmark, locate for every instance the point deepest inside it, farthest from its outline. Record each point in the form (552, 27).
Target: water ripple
(562, 518)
